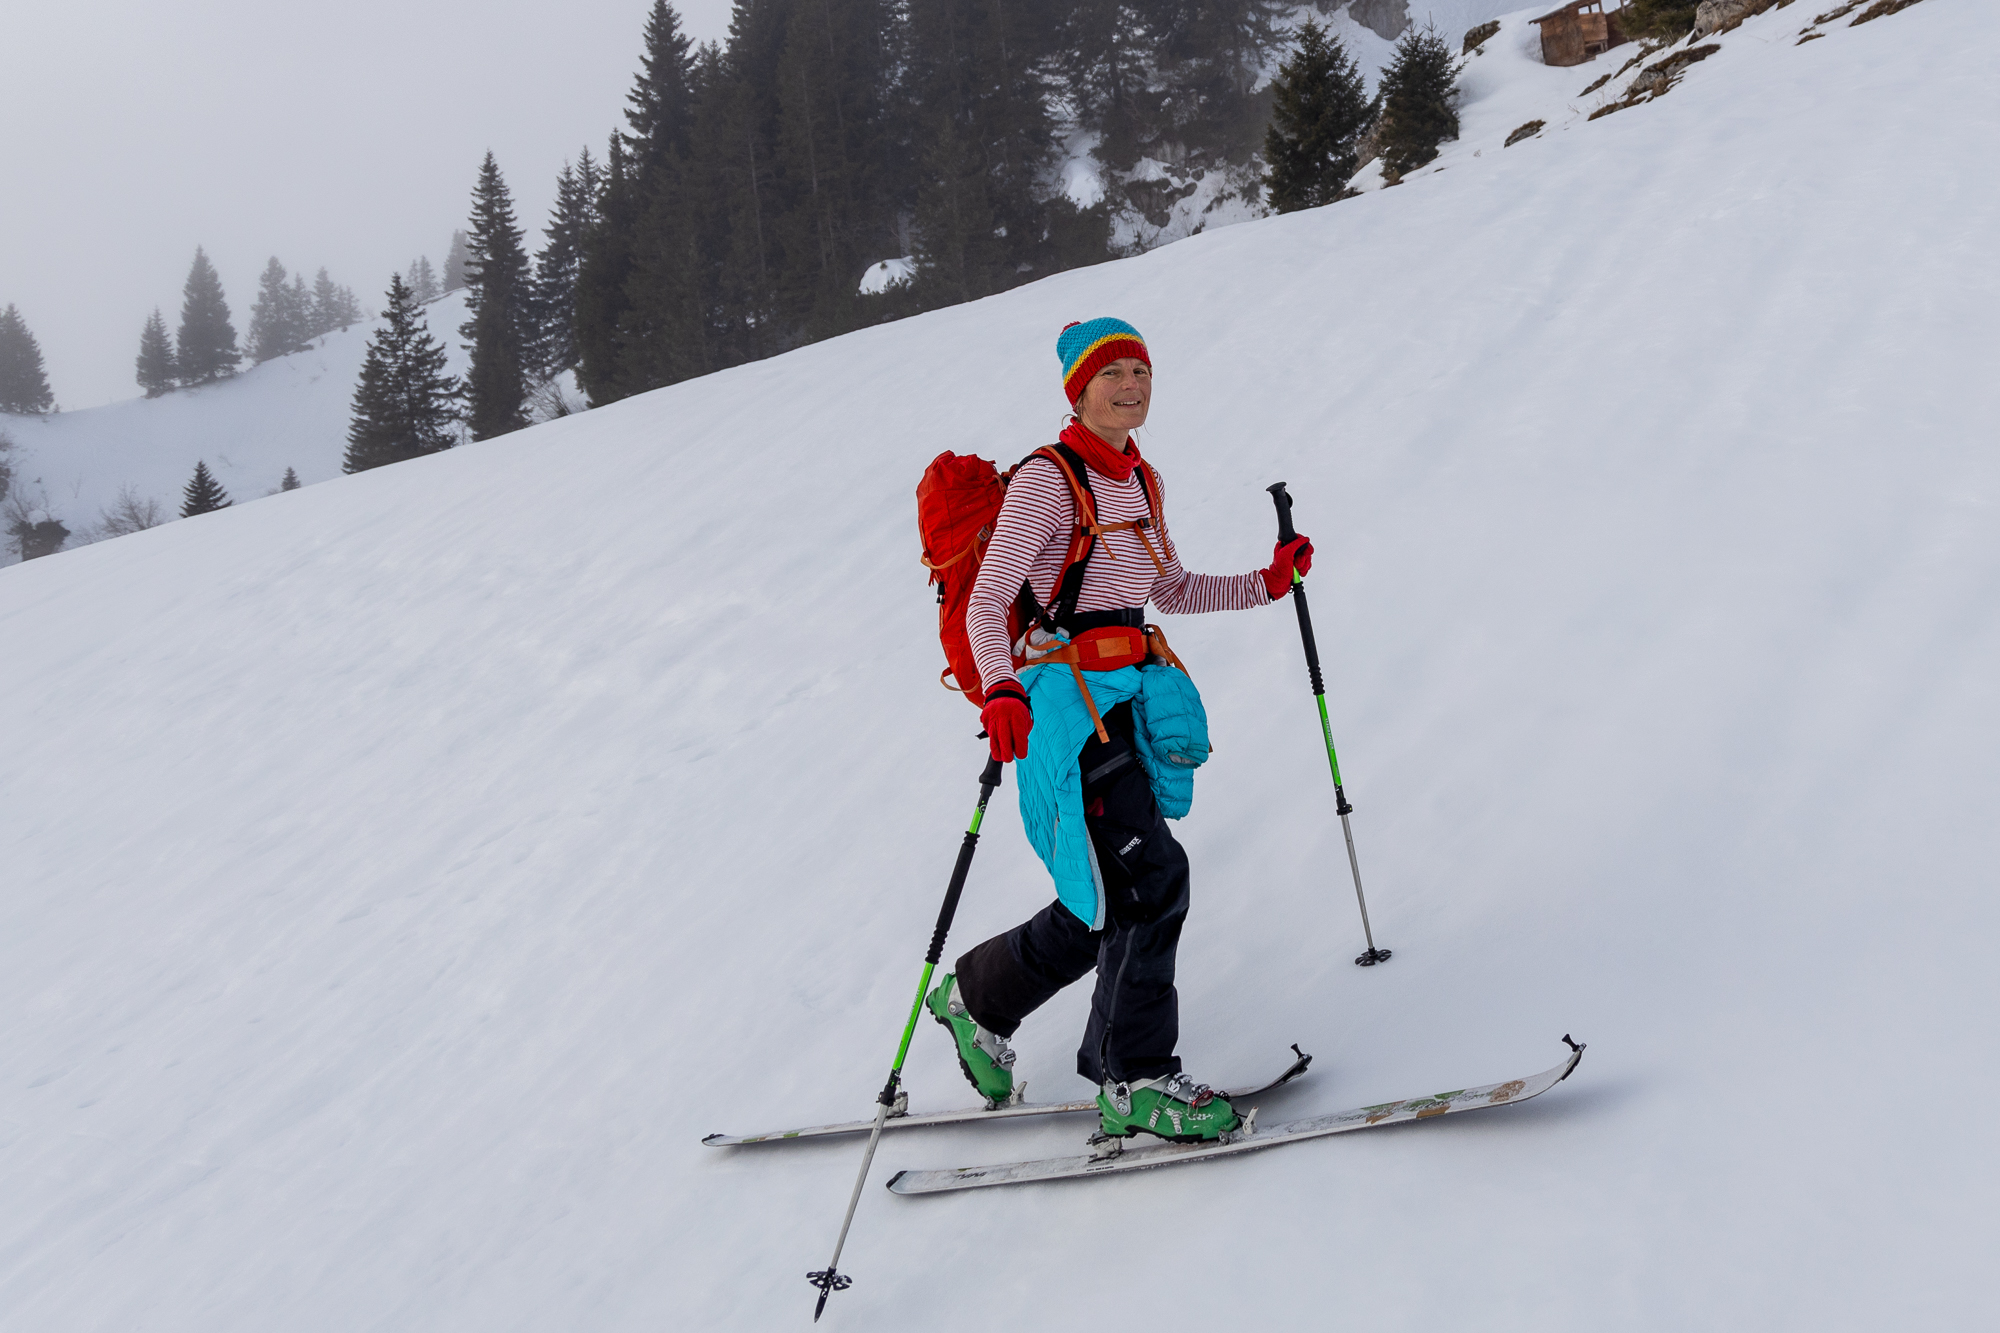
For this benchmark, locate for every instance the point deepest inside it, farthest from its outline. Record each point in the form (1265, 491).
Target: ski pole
(830, 1279)
(1283, 501)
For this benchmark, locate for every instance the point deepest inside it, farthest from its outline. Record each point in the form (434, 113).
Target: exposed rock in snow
(1385, 18)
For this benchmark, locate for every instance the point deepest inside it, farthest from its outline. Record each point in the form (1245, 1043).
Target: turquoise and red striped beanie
(1088, 347)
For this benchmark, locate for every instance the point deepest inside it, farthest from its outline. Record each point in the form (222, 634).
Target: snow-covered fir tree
(405, 405)
(203, 493)
(1419, 101)
(499, 327)
(24, 385)
(290, 482)
(206, 346)
(156, 356)
(1320, 109)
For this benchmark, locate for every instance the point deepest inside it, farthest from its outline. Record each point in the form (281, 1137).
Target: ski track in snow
(404, 873)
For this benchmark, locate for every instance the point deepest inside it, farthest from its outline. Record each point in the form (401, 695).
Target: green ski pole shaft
(830, 1279)
(1283, 501)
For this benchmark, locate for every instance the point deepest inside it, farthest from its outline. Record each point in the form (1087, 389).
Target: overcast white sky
(339, 134)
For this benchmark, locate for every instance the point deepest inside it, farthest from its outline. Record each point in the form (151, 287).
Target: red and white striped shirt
(1031, 536)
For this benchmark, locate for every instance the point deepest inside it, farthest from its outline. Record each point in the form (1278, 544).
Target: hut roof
(1568, 9)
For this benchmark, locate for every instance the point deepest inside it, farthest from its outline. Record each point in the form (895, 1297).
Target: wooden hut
(1577, 32)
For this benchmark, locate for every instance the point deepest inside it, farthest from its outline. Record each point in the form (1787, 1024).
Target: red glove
(1285, 557)
(1008, 721)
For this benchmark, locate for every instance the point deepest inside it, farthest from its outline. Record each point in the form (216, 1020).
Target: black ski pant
(1134, 1012)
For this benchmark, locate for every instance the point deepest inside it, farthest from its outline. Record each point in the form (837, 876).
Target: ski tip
(890, 1185)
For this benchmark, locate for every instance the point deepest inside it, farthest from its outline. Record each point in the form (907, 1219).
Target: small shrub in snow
(1527, 131)
(132, 512)
(1667, 20)
(31, 529)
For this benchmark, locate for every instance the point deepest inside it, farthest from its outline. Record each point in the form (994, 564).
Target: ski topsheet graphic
(903, 1120)
(1112, 1157)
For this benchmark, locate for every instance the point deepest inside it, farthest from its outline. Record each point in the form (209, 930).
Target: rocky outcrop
(1657, 78)
(1714, 16)
(1477, 37)
(1387, 19)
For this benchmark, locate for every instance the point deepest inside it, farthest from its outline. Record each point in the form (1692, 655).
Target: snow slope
(291, 412)
(404, 872)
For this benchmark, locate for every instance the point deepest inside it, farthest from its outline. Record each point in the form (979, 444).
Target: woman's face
(1117, 397)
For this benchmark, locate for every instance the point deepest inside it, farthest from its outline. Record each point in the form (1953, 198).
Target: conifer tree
(658, 335)
(422, 282)
(207, 340)
(290, 481)
(981, 137)
(1419, 101)
(455, 260)
(279, 319)
(839, 61)
(499, 328)
(404, 405)
(321, 305)
(203, 493)
(605, 269)
(561, 258)
(1319, 111)
(24, 387)
(156, 357)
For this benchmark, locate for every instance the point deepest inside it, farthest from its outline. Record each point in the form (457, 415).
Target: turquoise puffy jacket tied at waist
(1170, 727)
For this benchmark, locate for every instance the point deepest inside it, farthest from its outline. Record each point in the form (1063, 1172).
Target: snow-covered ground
(403, 873)
(291, 412)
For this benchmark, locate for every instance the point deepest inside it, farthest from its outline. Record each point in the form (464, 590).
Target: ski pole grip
(1283, 501)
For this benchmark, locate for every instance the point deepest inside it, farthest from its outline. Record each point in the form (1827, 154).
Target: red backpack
(957, 502)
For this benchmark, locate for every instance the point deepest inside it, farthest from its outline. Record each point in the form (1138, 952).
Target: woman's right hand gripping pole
(1008, 720)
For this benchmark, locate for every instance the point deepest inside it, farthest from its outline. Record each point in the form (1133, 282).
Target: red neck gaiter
(1101, 456)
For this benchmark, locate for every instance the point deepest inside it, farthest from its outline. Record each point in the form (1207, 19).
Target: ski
(901, 1119)
(1112, 1157)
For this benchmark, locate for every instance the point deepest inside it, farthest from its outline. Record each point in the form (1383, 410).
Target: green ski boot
(1175, 1108)
(985, 1057)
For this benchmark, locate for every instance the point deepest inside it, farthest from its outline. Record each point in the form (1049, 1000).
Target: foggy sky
(340, 135)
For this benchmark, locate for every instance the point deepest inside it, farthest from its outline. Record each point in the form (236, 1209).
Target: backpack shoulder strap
(1149, 482)
(1069, 584)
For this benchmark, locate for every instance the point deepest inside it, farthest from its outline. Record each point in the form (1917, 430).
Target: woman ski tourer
(1116, 729)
